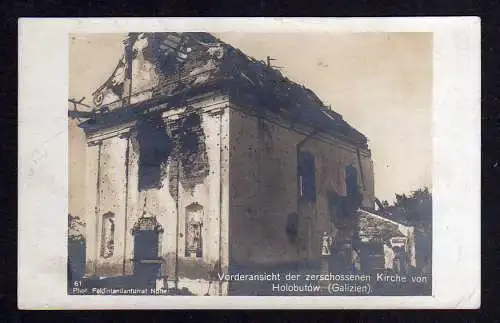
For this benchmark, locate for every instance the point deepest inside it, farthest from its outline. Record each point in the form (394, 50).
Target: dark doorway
(147, 262)
(146, 245)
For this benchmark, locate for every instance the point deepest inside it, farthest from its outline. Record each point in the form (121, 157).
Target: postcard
(249, 163)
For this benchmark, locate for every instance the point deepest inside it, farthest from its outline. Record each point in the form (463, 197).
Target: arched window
(307, 177)
(194, 232)
(351, 181)
(108, 235)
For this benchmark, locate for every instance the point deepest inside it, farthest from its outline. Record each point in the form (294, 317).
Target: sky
(380, 82)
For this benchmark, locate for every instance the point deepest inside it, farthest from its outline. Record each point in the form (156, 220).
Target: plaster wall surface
(91, 184)
(112, 181)
(113, 186)
(263, 184)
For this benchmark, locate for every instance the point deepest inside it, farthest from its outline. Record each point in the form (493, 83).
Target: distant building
(385, 244)
(201, 159)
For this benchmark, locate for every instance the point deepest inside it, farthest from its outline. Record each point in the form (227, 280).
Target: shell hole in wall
(190, 152)
(155, 147)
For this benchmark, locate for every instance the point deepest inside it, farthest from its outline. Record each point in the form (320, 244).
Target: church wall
(120, 192)
(92, 161)
(264, 186)
(107, 193)
(244, 191)
(204, 195)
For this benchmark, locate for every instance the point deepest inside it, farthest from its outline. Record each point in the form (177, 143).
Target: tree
(76, 248)
(76, 228)
(415, 208)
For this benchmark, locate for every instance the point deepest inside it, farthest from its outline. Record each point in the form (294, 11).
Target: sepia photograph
(250, 164)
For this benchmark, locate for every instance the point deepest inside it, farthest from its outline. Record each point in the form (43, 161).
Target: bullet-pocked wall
(270, 223)
(149, 170)
(106, 202)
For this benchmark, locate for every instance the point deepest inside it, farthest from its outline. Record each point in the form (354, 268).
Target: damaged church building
(202, 160)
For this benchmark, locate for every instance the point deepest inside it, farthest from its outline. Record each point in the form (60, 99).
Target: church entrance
(147, 262)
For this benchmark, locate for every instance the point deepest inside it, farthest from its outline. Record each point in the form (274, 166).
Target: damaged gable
(161, 67)
(112, 89)
(159, 63)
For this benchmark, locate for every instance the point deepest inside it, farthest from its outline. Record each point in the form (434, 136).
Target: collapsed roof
(182, 64)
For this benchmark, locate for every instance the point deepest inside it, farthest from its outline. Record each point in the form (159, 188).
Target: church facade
(201, 160)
